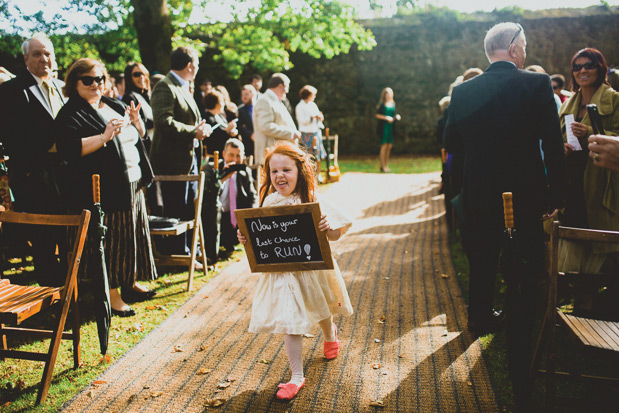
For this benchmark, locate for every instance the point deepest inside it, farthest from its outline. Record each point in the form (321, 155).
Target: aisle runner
(406, 345)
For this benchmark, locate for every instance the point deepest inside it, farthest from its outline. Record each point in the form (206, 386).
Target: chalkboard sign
(284, 238)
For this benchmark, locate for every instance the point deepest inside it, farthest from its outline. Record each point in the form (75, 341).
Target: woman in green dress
(386, 115)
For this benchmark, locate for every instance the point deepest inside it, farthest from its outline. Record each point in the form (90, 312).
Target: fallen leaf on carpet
(178, 349)
(375, 366)
(376, 340)
(90, 393)
(131, 398)
(154, 394)
(97, 382)
(384, 373)
(469, 383)
(204, 371)
(401, 355)
(386, 278)
(223, 385)
(161, 307)
(146, 387)
(445, 275)
(308, 335)
(150, 307)
(377, 403)
(214, 402)
(263, 361)
(206, 296)
(202, 347)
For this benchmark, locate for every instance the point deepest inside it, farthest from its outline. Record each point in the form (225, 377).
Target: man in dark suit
(28, 105)
(245, 124)
(177, 142)
(496, 121)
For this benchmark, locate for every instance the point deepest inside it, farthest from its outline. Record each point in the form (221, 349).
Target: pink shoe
(289, 390)
(332, 348)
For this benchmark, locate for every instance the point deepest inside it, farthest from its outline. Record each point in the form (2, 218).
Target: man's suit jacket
(272, 122)
(496, 121)
(246, 195)
(26, 131)
(175, 116)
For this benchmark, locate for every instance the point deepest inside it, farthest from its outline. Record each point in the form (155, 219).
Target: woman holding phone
(101, 135)
(593, 193)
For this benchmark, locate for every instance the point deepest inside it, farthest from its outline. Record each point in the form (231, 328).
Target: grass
(19, 379)
(397, 164)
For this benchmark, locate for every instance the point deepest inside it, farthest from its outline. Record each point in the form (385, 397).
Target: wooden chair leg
(75, 318)
(52, 354)
(3, 343)
(203, 249)
(194, 253)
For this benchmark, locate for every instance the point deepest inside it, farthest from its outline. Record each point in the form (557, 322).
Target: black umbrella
(102, 306)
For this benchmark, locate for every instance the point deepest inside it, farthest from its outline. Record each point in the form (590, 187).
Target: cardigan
(78, 119)
(600, 185)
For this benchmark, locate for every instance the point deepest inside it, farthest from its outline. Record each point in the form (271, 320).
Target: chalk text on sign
(284, 252)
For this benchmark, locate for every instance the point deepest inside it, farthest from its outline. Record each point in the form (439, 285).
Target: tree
(260, 35)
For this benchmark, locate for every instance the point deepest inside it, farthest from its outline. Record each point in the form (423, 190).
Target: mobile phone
(596, 120)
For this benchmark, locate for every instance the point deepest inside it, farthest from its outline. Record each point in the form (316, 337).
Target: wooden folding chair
(17, 302)
(597, 338)
(181, 227)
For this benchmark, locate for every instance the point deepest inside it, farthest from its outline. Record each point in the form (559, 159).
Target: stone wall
(419, 57)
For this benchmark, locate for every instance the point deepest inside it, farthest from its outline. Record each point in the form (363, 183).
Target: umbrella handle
(508, 209)
(96, 189)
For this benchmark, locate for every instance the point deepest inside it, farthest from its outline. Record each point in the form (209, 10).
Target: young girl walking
(291, 303)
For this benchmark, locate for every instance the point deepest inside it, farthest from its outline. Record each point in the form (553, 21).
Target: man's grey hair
(500, 36)
(41, 37)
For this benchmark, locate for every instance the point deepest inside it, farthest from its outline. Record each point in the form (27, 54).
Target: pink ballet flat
(332, 348)
(289, 390)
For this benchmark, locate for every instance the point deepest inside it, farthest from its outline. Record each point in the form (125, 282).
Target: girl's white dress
(293, 302)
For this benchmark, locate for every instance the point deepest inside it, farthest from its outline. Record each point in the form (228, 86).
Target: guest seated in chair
(101, 135)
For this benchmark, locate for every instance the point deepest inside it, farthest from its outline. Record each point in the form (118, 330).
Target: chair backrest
(572, 234)
(79, 221)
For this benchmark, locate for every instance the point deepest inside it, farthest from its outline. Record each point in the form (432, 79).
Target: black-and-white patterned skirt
(127, 245)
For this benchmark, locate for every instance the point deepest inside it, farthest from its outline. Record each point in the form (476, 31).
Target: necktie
(54, 100)
(232, 198)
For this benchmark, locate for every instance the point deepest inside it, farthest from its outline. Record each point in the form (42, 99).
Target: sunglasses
(516, 35)
(137, 74)
(589, 66)
(87, 80)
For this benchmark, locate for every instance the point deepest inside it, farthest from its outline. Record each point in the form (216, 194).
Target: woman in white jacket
(309, 119)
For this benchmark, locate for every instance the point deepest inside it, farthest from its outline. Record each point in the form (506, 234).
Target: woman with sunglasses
(137, 90)
(96, 134)
(593, 193)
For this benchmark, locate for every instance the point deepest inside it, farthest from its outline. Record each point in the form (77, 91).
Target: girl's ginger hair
(306, 184)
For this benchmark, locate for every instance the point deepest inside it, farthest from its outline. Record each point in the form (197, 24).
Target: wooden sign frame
(323, 242)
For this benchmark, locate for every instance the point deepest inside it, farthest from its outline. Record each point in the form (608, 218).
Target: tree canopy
(258, 35)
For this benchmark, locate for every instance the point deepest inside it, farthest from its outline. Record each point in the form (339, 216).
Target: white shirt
(128, 137)
(306, 113)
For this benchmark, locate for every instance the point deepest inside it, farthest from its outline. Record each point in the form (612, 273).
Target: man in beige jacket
(272, 121)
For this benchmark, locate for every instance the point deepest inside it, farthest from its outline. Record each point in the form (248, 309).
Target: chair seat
(176, 229)
(599, 334)
(31, 301)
